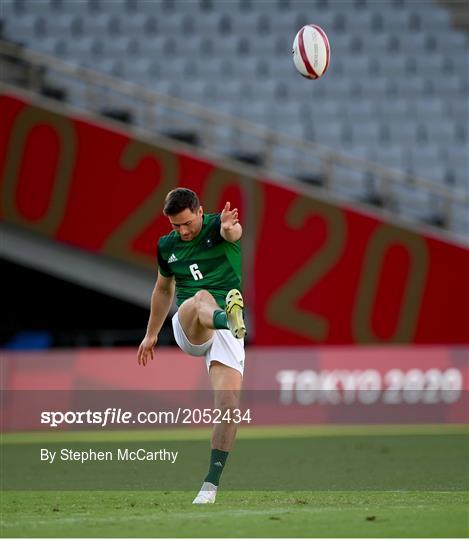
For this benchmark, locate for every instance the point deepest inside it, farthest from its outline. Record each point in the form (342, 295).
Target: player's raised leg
(226, 383)
(196, 317)
(200, 315)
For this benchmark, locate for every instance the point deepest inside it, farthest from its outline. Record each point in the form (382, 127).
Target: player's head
(182, 207)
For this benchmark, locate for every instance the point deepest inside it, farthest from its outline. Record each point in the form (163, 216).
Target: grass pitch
(236, 514)
(377, 481)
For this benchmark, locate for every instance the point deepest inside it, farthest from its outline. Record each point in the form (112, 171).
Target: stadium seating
(385, 90)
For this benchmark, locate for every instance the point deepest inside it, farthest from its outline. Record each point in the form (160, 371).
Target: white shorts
(223, 347)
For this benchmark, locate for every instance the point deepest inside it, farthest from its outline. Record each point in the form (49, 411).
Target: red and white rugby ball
(311, 51)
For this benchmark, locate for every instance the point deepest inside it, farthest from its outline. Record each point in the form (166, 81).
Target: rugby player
(200, 261)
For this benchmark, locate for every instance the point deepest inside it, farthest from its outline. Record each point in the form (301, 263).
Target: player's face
(187, 223)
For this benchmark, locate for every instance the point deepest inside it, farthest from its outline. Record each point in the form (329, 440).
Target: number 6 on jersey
(197, 274)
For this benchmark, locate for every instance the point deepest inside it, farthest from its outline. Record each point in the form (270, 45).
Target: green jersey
(207, 262)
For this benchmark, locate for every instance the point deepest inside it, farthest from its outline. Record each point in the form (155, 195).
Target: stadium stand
(396, 92)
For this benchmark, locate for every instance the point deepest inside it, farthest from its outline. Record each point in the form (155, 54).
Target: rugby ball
(311, 51)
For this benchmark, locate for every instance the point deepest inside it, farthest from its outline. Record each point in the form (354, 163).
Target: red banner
(314, 272)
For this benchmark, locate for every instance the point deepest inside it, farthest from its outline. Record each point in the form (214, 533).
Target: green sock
(220, 320)
(217, 463)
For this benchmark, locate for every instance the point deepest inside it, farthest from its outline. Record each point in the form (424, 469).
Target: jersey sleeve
(163, 265)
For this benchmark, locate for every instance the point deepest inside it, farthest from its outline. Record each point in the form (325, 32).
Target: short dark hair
(178, 200)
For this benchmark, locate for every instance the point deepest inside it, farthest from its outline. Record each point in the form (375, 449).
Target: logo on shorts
(173, 258)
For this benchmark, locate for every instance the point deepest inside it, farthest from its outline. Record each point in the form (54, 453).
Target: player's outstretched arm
(230, 228)
(161, 300)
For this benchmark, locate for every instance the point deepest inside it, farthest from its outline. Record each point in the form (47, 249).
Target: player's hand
(229, 218)
(145, 351)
